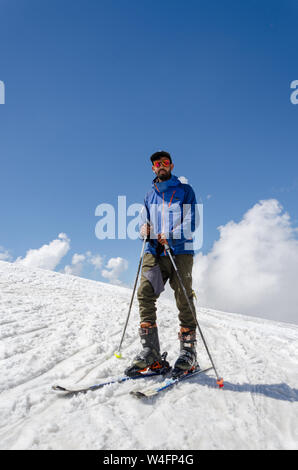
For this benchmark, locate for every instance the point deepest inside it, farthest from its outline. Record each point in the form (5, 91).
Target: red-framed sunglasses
(158, 164)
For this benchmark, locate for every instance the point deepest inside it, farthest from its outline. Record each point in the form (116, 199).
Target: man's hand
(145, 231)
(161, 238)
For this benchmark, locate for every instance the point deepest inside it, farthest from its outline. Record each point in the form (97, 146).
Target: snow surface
(57, 328)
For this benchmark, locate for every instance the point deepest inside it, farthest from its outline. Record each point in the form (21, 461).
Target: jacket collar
(164, 185)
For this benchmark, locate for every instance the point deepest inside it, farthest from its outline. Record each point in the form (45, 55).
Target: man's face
(163, 168)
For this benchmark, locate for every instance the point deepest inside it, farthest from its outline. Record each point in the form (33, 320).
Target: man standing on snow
(171, 218)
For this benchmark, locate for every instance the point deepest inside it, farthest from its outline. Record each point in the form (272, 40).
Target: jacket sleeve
(144, 216)
(190, 219)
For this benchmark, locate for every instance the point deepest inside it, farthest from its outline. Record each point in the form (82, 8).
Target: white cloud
(48, 256)
(4, 254)
(183, 179)
(76, 259)
(114, 268)
(76, 266)
(80, 262)
(96, 260)
(253, 267)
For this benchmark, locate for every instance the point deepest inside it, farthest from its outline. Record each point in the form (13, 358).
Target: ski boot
(149, 358)
(187, 360)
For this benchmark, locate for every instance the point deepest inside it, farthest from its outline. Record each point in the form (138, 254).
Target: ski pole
(118, 353)
(219, 380)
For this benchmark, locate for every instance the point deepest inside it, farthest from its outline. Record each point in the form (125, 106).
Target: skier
(170, 219)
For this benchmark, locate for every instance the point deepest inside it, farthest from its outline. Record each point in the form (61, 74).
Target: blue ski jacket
(170, 208)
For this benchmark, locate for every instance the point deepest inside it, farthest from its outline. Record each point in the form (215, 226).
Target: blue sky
(94, 87)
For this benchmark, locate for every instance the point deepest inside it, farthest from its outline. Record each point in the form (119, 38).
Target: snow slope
(60, 328)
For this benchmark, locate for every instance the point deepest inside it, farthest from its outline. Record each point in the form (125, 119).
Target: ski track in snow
(57, 328)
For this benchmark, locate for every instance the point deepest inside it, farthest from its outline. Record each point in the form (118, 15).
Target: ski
(156, 369)
(151, 392)
(66, 390)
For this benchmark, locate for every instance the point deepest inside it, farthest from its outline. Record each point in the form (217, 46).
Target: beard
(163, 175)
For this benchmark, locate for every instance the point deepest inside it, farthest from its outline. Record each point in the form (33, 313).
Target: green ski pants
(155, 273)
